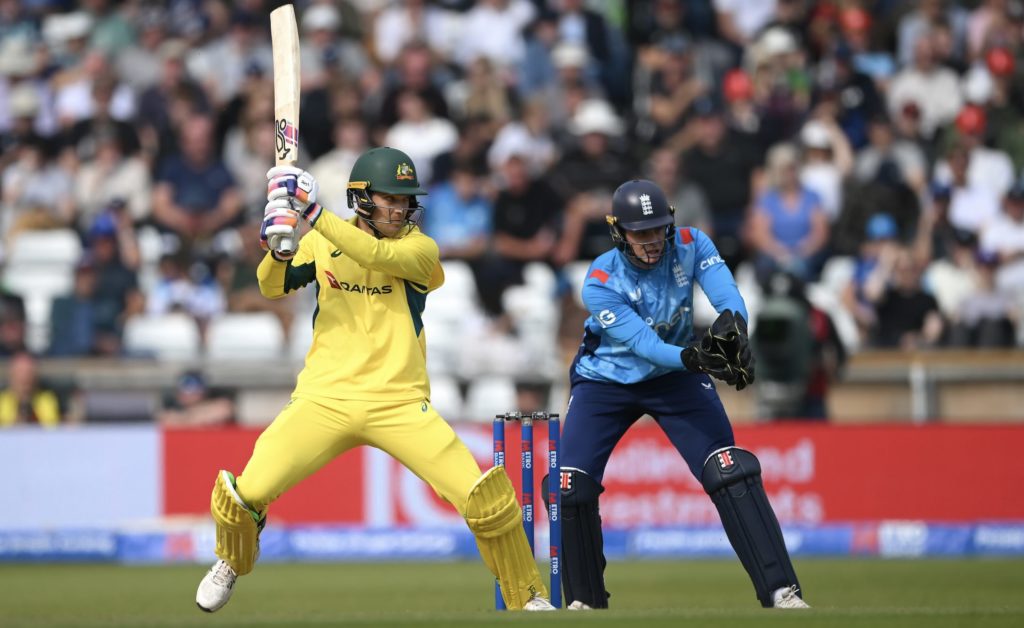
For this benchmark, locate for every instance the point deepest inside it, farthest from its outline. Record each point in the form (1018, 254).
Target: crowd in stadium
(868, 151)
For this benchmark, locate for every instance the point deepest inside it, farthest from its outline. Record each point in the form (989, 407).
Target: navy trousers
(685, 406)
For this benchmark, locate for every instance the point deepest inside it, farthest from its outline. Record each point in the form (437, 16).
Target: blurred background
(137, 356)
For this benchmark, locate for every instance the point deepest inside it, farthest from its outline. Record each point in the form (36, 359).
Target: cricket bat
(284, 38)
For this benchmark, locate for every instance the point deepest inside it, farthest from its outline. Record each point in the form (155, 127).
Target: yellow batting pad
(238, 532)
(493, 515)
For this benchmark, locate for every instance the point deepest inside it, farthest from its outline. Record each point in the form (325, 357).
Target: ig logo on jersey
(606, 317)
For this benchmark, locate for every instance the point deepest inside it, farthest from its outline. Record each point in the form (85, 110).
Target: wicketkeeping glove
(723, 352)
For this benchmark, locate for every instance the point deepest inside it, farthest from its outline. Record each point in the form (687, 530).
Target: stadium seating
(576, 273)
(459, 283)
(827, 293)
(258, 407)
(535, 315)
(255, 336)
(168, 337)
(151, 248)
(452, 317)
(37, 285)
(39, 268)
(541, 278)
(558, 398)
(489, 395)
(446, 398)
(54, 247)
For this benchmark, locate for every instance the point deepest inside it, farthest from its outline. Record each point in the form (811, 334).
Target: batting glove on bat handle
(298, 187)
(277, 233)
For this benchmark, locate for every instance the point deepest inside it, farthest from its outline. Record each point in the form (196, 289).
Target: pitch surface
(933, 593)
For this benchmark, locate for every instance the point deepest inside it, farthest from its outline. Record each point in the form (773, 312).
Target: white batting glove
(279, 222)
(298, 187)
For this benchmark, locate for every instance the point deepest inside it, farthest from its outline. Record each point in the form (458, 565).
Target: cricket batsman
(632, 362)
(365, 377)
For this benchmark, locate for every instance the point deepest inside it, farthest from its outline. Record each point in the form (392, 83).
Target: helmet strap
(359, 200)
(621, 243)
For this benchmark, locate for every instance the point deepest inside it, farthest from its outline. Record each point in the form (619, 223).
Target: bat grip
(286, 245)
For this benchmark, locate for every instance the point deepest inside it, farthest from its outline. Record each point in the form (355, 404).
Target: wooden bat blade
(284, 39)
(284, 35)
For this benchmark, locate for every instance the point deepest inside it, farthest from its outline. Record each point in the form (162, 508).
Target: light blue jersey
(641, 319)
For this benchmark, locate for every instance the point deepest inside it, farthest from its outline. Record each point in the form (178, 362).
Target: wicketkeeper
(365, 377)
(632, 362)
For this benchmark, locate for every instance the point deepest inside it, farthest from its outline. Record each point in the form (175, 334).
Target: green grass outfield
(932, 593)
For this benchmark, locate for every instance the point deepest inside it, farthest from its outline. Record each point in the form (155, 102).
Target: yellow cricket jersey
(368, 339)
(44, 406)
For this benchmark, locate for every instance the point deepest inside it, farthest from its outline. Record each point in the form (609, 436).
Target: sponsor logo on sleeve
(606, 318)
(711, 261)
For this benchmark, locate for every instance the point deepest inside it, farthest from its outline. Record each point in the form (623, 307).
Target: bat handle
(286, 245)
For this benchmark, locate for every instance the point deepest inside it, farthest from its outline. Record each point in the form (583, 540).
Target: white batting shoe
(537, 603)
(579, 606)
(786, 597)
(216, 586)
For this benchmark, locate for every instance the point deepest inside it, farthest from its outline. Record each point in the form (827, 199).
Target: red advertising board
(814, 474)
(192, 459)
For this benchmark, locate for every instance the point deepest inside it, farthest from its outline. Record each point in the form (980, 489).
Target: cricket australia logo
(645, 204)
(404, 172)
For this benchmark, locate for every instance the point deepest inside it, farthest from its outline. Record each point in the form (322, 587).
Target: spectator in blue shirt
(459, 216)
(788, 228)
(106, 293)
(195, 195)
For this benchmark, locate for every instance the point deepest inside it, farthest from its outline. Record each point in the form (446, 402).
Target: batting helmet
(388, 171)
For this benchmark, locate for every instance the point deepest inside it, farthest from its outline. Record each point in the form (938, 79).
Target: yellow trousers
(307, 435)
